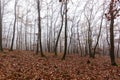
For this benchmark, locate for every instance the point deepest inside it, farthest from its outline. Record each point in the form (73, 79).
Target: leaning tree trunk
(56, 44)
(98, 38)
(12, 43)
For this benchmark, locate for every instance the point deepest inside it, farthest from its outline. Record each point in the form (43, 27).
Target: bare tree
(62, 17)
(14, 26)
(98, 37)
(65, 44)
(48, 31)
(72, 39)
(39, 28)
(89, 39)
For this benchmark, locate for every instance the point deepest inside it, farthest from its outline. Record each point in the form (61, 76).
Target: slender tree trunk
(55, 33)
(26, 45)
(34, 42)
(61, 46)
(98, 38)
(103, 47)
(1, 48)
(39, 28)
(69, 45)
(78, 36)
(48, 35)
(31, 38)
(107, 35)
(17, 35)
(51, 30)
(37, 47)
(12, 43)
(65, 44)
(56, 44)
(118, 51)
(86, 48)
(90, 41)
(7, 41)
(20, 41)
(118, 46)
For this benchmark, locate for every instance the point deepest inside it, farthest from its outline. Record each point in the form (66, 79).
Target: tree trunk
(98, 38)
(89, 41)
(112, 56)
(1, 48)
(11, 48)
(65, 44)
(56, 44)
(39, 28)
(118, 51)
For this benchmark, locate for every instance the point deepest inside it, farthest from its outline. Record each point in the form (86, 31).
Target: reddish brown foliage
(23, 65)
(113, 10)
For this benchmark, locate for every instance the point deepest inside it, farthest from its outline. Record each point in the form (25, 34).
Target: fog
(80, 13)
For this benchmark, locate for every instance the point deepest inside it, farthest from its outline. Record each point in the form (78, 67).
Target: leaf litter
(25, 65)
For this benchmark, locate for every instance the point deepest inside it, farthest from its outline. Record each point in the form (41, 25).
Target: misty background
(81, 14)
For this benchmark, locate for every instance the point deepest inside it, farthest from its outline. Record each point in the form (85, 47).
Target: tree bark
(39, 28)
(112, 42)
(65, 44)
(112, 56)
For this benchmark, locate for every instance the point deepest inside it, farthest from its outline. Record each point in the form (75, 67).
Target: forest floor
(25, 65)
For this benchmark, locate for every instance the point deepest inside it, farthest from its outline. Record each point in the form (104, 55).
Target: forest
(59, 39)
